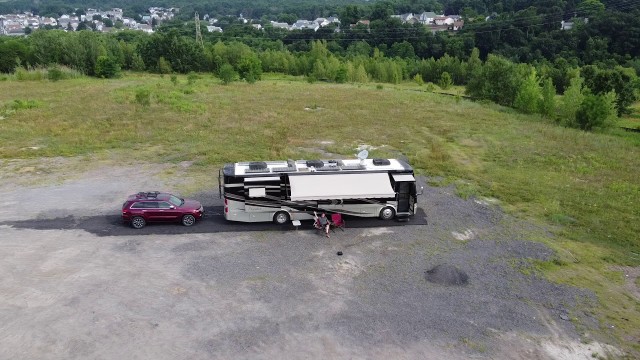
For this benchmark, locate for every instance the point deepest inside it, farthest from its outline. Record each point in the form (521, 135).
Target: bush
(529, 94)
(192, 77)
(143, 97)
(418, 79)
(55, 74)
(227, 74)
(445, 81)
(164, 67)
(174, 79)
(597, 111)
(107, 67)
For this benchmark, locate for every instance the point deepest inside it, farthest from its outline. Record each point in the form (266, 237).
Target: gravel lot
(70, 293)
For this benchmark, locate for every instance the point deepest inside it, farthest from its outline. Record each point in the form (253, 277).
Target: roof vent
(381, 162)
(257, 165)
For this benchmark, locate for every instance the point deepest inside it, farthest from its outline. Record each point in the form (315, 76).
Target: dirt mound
(445, 274)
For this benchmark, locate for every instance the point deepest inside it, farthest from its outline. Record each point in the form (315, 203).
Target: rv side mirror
(421, 190)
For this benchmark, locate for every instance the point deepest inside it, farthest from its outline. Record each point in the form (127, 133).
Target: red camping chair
(337, 221)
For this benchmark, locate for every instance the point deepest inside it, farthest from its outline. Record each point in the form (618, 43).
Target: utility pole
(198, 33)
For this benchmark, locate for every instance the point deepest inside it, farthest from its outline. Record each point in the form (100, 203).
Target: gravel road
(71, 291)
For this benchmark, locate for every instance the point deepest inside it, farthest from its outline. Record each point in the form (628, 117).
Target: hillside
(581, 186)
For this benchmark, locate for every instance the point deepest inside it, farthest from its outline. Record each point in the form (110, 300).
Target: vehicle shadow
(213, 222)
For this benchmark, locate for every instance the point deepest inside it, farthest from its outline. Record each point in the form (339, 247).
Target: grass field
(583, 186)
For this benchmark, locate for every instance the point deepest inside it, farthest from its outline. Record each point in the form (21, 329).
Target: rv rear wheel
(387, 213)
(281, 217)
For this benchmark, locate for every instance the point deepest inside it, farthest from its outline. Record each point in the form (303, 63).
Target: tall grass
(53, 73)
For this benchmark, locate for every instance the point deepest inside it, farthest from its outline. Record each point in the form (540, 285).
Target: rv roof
(246, 168)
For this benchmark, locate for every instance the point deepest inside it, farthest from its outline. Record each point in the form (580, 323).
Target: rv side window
(257, 192)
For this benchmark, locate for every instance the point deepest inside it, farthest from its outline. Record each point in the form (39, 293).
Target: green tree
(107, 67)
(596, 111)
(499, 80)
(163, 66)
(445, 81)
(529, 94)
(227, 73)
(548, 100)
(250, 69)
(136, 62)
(571, 102)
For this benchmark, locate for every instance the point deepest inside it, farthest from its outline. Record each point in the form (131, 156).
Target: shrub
(418, 79)
(445, 81)
(571, 101)
(107, 67)
(164, 67)
(143, 97)
(548, 101)
(55, 74)
(174, 79)
(227, 74)
(597, 111)
(529, 94)
(192, 77)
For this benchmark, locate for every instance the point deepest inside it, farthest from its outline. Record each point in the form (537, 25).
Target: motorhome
(283, 191)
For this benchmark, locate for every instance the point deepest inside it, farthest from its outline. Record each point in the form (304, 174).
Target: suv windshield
(176, 200)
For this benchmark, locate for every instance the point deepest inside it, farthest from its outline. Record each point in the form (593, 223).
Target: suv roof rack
(148, 194)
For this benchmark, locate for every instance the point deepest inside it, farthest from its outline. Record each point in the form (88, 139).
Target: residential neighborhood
(433, 21)
(114, 19)
(99, 20)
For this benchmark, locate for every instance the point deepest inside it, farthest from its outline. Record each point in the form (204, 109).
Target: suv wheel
(138, 222)
(188, 220)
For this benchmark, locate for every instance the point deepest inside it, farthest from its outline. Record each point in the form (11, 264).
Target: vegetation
(583, 186)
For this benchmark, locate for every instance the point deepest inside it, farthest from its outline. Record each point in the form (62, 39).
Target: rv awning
(340, 186)
(403, 177)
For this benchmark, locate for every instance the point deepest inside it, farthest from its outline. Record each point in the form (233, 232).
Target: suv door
(167, 212)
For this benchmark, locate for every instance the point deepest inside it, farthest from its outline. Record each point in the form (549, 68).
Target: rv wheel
(281, 217)
(387, 213)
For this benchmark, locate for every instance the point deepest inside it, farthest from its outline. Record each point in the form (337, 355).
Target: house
(211, 28)
(321, 21)
(426, 18)
(333, 19)
(146, 28)
(14, 30)
(568, 25)
(305, 24)
(436, 28)
(279, 25)
(443, 20)
(257, 26)
(457, 25)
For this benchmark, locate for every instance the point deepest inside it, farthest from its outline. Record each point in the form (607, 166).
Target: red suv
(156, 206)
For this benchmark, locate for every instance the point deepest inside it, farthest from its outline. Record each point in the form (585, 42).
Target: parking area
(78, 284)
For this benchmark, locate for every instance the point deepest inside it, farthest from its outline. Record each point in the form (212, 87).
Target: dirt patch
(446, 274)
(237, 294)
(631, 275)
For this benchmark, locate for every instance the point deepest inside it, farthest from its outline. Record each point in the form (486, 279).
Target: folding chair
(337, 221)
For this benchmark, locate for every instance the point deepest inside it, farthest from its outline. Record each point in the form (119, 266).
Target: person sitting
(322, 223)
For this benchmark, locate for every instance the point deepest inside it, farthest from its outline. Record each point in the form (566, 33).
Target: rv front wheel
(281, 217)
(387, 213)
